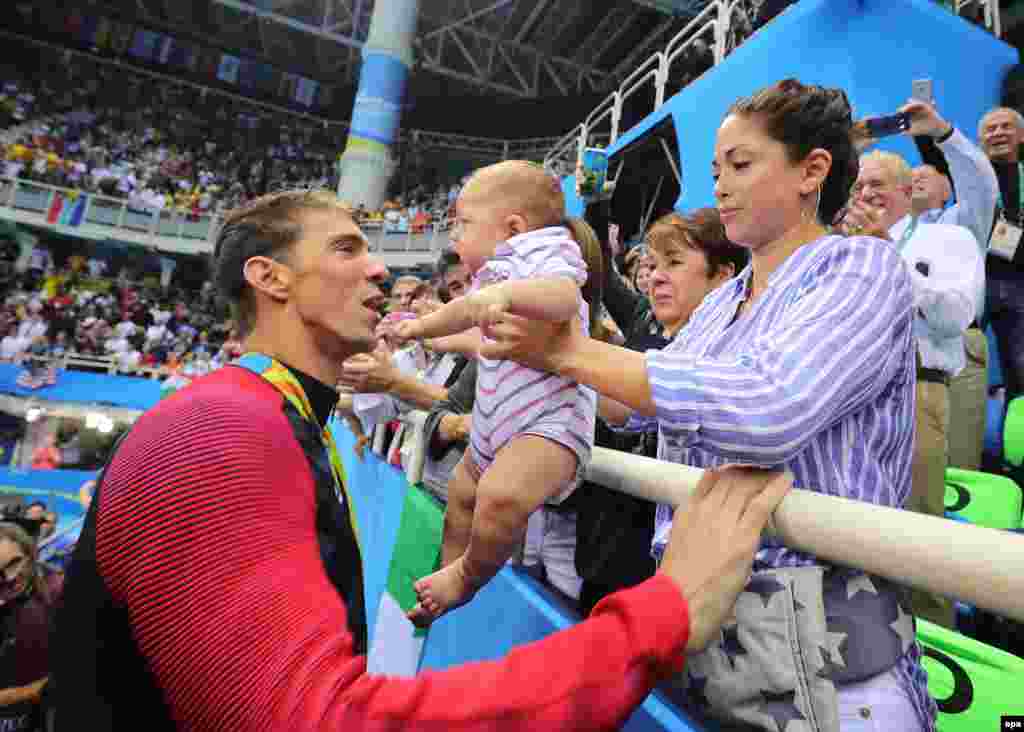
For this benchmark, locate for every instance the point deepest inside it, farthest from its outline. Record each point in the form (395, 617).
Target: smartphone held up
(893, 124)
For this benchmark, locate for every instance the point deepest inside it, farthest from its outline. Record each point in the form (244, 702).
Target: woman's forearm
(611, 371)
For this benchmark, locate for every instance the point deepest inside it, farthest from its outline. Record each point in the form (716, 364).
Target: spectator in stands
(425, 300)
(642, 274)
(276, 473)
(948, 276)
(60, 345)
(455, 278)
(39, 263)
(952, 162)
(447, 430)
(1001, 132)
(11, 347)
(34, 326)
(47, 455)
(28, 596)
(402, 291)
(35, 511)
(807, 354)
(85, 492)
(48, 527)
(692, 257)
(634, 255)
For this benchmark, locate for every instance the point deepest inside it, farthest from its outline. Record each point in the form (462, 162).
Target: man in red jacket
(217, 583)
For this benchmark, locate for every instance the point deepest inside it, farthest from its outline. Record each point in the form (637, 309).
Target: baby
(531, 432)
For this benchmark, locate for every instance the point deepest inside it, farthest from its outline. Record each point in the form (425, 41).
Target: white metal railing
(114, 213)
(117, 215)
(713, 25)
(993, 22)
(415, 422)
(903, 546)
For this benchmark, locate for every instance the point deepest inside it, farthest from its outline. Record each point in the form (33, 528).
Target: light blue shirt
(977, 189)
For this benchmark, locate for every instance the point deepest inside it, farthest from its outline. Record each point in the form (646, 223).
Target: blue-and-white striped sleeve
(840, 339)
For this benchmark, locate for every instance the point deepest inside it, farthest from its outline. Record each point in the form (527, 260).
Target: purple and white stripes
(817, 377)
(511, 399)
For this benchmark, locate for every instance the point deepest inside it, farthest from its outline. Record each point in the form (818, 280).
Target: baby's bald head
(519, 187)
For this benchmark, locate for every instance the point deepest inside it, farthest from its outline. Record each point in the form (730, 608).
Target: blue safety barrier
(58, 489)
(521, 607)
(127, 392)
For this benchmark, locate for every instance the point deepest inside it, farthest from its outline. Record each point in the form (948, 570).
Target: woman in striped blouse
(804, 360)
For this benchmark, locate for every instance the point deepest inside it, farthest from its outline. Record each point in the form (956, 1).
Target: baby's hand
(488, 306)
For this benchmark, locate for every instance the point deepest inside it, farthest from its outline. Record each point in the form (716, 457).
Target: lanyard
(278, 376)
(1020, 196)
(907, 233)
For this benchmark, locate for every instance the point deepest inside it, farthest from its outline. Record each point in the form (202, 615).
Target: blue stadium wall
(873, 49)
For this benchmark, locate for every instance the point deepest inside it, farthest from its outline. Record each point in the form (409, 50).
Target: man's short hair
(1013, 112)
(895, 164)
(265, 227)
(34, 504)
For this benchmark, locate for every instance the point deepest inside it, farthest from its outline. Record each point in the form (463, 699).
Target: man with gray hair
(948, 276)
(1001, 132)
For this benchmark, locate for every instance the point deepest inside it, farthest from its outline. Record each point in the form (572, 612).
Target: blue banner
(58, 489)
(378, 106)
(83, 387)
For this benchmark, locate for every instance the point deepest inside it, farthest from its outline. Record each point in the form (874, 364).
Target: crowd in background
(69, 304)
(108, 130)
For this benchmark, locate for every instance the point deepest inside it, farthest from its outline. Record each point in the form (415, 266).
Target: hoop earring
(815, 216)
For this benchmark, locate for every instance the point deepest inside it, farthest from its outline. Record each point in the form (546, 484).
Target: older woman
(805, 361)
(691, 257)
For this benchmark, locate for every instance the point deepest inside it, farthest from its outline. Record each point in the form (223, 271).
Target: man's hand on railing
(711, 548)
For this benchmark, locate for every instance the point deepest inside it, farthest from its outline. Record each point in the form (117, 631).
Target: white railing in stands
(415, 430)
(111, 213)
(177, 231)
(712, 27)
